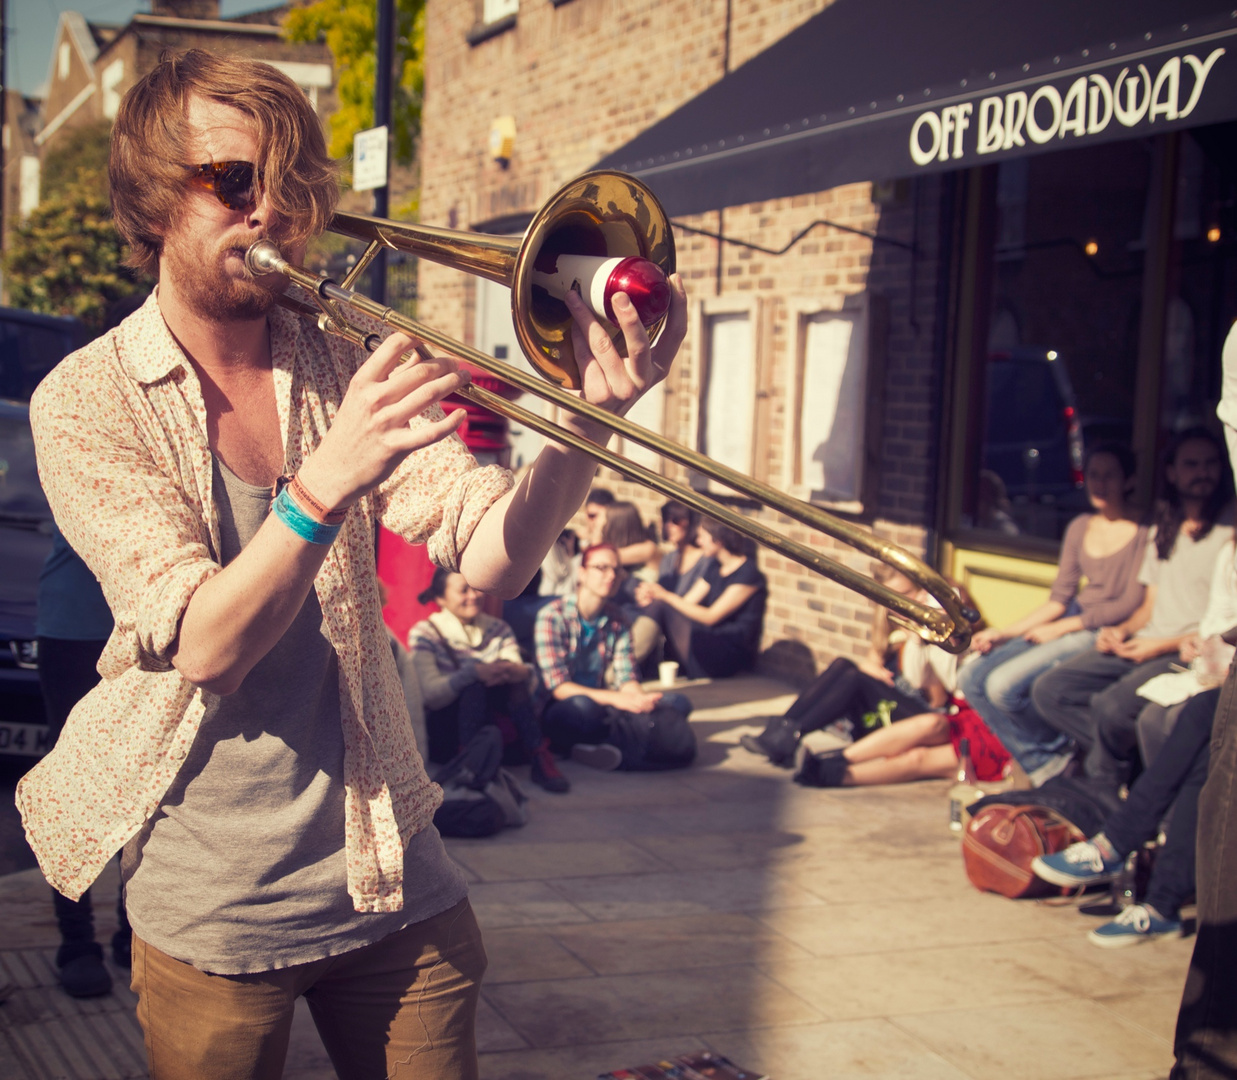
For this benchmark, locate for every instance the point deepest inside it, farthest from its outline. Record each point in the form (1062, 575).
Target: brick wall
(582, 79)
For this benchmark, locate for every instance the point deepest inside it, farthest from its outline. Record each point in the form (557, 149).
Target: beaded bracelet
(314, 532)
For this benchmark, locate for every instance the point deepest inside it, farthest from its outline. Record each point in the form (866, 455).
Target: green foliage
(349, 28)
(66, 258)
(82, 156)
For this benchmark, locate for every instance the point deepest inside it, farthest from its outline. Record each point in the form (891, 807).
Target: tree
(67, 258)
(349, 28)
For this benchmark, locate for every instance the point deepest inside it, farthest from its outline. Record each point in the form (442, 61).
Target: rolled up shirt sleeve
(438, 495)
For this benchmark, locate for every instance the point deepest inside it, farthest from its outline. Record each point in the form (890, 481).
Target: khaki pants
(405, 1006)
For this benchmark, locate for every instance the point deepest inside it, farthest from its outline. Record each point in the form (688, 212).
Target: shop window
(831, 422)
(1057, 334)
(1105, 282)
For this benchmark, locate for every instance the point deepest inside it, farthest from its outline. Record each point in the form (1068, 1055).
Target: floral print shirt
(120, 433)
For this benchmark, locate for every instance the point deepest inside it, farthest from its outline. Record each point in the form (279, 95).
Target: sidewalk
(803, 933)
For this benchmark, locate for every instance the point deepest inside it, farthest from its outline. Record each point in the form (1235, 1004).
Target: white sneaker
(1050, 768)
(600, 756)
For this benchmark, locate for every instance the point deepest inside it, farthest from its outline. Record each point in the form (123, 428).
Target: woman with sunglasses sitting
(471, 673)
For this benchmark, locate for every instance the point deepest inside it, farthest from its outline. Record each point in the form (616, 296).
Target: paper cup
(667, 672)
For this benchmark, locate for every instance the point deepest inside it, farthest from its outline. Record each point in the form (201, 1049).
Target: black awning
(877, 89)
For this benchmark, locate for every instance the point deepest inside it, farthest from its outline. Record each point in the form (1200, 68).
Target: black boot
(820, 770)
(777, 742)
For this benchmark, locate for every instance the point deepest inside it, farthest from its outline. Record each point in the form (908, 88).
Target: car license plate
(27, 740)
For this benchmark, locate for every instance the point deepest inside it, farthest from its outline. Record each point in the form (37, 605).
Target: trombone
(607, 215)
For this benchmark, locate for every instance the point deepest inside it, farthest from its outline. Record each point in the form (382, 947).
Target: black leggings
(703, 652)
(1175, 778)
(842, 691)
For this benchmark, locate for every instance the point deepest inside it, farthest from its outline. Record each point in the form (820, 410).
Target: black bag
(1084, 803)
(652, 741)
(479, 796)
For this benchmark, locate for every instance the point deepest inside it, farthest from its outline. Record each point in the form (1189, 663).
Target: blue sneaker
(1079, 864)
(1134, 924)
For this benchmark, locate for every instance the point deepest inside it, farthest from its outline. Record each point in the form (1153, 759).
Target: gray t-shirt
(1182, 581)
(241, 869)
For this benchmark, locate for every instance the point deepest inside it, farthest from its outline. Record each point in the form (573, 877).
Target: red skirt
(988, 755)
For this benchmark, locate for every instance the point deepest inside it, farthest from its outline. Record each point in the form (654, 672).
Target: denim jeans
(1174, 779)
(997, 685)
(580, 719)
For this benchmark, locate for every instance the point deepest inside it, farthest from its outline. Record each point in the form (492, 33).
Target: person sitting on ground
(625, 529)
(1174, 780)
(1104, 547)
(470, 671)
(1100, 686)
(595, 505)
(922, 747)
(862, 694)
(1121, 747)
(714, 630)
(594, 709)
(685, 563)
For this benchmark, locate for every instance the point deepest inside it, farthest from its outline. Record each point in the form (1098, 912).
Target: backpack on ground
(652, 741)
(480, 797)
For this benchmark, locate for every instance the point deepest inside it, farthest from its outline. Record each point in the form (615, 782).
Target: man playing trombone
(222, 468)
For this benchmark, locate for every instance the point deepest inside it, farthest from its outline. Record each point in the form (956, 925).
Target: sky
(32, 28)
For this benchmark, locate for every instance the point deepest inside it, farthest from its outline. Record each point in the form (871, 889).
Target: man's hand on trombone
(614, 382)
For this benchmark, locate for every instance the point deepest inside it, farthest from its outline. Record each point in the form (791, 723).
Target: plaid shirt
(556, 637)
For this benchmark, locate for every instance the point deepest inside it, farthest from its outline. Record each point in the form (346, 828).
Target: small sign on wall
(369, 159)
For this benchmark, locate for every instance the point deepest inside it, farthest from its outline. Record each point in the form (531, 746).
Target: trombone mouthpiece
(263, 258)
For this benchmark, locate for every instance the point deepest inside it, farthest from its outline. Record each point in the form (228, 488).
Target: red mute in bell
(598, 278)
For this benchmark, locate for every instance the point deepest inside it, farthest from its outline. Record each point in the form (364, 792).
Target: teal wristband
(314, 532)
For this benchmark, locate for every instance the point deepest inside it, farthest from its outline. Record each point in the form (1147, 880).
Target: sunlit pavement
(803, 933)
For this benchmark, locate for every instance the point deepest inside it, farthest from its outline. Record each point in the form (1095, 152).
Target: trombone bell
(606, 215)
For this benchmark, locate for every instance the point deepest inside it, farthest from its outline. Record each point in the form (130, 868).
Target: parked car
(1035, 438)
(30, 346)
(25, 539)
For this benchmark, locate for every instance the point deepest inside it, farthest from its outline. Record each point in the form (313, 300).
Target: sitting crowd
(562, 675)
(1114, 678)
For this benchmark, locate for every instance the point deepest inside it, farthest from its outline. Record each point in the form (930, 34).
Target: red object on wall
(406, 570)
(484, 432)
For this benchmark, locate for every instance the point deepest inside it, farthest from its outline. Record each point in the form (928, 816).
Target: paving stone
(661, 895)
(839, 1051)
(584, 1011)
(521, 903)
(1052, 1040)
(583, 1062)
(547, 861)
(521, 954)
(676, 944)
(886, 925)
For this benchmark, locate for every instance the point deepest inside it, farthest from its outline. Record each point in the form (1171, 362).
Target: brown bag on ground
(1000, 841)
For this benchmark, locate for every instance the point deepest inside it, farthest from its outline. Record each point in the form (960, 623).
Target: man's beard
(215, 294)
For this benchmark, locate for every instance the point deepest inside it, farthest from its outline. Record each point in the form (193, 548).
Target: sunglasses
(236, 184)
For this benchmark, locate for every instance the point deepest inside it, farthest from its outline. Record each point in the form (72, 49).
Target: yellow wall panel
(1003, 587)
